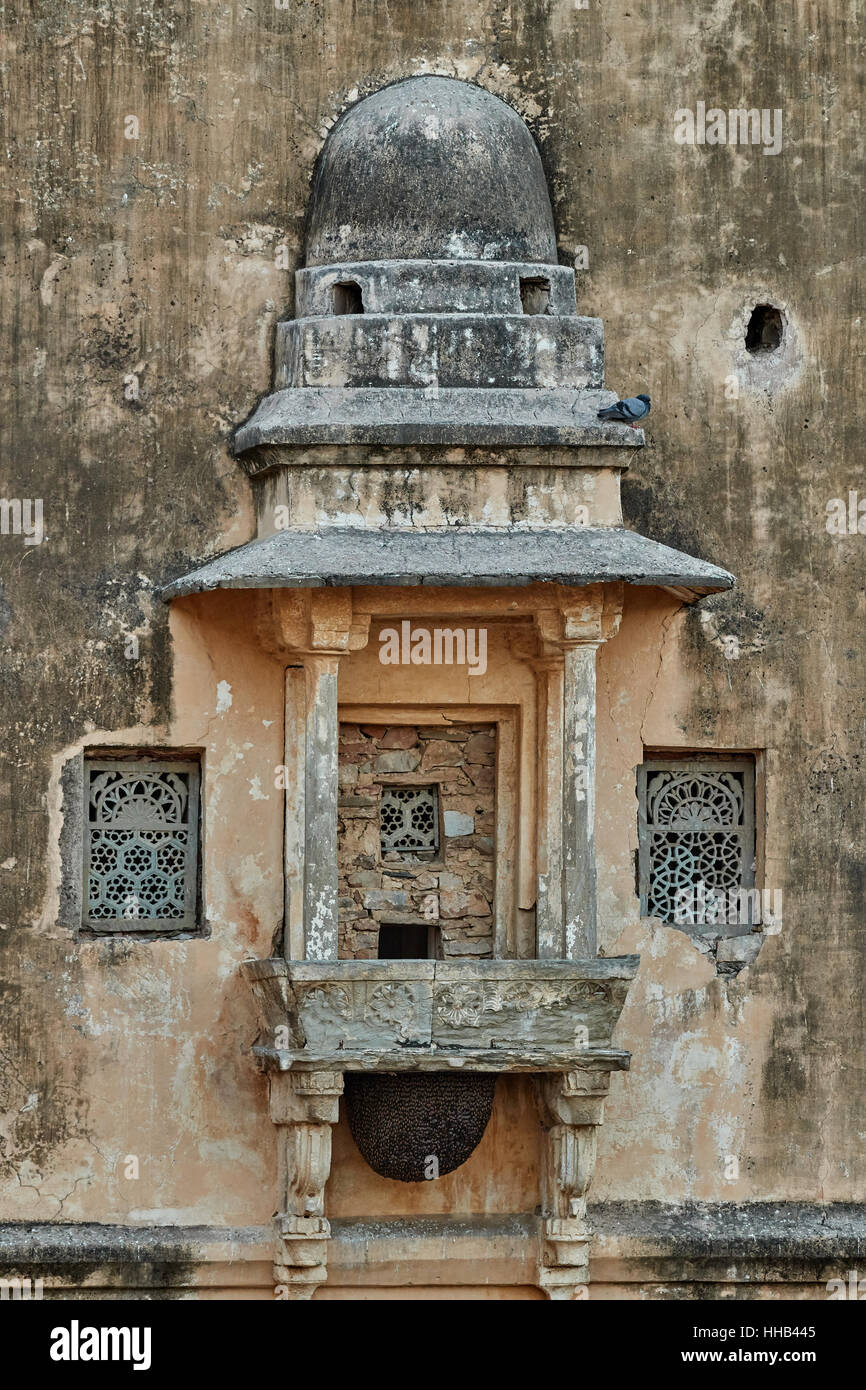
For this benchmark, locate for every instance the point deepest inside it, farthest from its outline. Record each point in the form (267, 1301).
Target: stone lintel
(411, 1059)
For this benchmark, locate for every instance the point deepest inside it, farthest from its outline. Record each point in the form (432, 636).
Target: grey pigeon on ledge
(629, 411)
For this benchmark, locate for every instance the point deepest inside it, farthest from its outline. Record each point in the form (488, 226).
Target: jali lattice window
(140, 845)
(409, 819)
(697, 838)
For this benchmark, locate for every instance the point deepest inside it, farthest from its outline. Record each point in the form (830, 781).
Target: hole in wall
(348, 298)
(765, 329)
(535, 295)
(407, 941)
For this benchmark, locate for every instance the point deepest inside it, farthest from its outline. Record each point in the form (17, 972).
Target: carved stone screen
(696, 836)
(409, 818)
(141, 834)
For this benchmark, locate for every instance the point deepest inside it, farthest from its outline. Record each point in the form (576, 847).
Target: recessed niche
(535, 295)
(348, 298)
(407, 941)
(765, 330)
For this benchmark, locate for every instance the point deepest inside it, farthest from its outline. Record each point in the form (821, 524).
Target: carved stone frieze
(390, 1015)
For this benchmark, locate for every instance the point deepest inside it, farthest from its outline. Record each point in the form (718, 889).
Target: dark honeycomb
(399, 1121)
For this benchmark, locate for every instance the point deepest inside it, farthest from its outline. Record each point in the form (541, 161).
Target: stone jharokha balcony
(405, 1015)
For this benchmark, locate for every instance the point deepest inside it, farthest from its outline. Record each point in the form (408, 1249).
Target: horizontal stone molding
(526, 463)
(446, 350)
(462, 416)
(663, 1250)
(433, 287)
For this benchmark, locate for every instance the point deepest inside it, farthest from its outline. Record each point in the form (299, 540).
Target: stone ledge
(511, 1015)
(705, 1248)
(411, 1251)
(106, 1261)
(701, 1250)
(493, 417)
(731, 1230)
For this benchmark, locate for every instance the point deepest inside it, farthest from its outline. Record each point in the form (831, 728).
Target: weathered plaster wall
(149, 266)
(138, 1049)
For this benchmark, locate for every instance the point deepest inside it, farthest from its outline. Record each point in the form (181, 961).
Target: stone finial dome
(430, 169)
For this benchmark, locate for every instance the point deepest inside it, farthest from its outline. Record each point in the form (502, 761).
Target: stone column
(566, 910)
(304, 1106)
(312, 734)
(579, 887)
(310, 630)
(550, 674)
(295, 837)
(321, 934)
(572, 1108)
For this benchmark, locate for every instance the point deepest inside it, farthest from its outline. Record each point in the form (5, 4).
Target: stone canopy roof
(466, 556)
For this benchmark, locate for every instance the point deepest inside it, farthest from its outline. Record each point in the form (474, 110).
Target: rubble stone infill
(449, 890)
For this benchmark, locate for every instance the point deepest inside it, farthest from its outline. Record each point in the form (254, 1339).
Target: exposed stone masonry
(452, 892)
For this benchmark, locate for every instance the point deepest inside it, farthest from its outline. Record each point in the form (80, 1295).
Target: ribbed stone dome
(430, 169)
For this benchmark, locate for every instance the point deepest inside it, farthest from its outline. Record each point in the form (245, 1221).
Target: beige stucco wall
(155, 257)
(155, 1035)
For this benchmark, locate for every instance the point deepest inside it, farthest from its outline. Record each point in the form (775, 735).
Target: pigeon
(629, 411)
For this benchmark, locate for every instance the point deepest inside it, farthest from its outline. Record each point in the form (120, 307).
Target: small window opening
(765, 330)
(407, 941)
(348, 298)
(140, 845)
(696, 835)
(535, 295)
(409, 821)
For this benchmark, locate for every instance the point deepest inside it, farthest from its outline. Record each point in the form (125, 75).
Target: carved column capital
(303, 622)
(578, 617)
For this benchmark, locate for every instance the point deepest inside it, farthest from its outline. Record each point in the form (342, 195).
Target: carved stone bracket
(571, 1107)
(304, 1106)
(302, 621)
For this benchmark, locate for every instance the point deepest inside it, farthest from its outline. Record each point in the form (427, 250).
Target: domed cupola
(430, 169)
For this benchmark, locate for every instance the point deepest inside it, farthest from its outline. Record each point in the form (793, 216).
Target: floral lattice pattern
(696, 833)
(141, 844)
